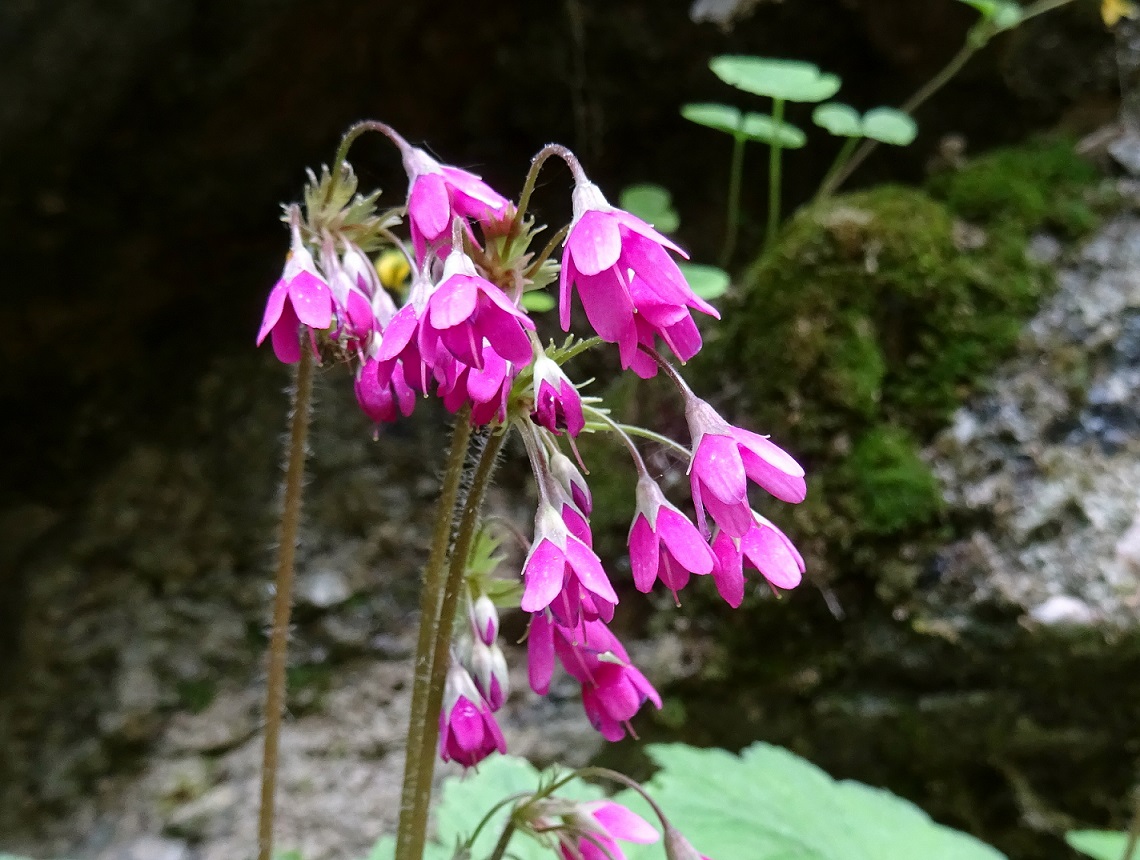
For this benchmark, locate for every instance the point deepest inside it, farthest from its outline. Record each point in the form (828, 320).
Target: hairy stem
(283, 599)
(732, 217)
(774, 175)
(418, 795)
(413, 818)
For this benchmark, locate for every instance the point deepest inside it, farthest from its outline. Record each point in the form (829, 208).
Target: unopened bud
(485, 619)
(677, 847)
(489, 670)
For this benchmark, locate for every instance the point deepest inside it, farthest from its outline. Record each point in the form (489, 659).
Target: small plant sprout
(882, 124)
(782, 81)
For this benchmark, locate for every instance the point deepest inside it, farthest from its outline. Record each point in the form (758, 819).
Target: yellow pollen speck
(393, 269)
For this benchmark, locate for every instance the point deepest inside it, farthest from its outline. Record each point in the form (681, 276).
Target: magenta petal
(543, 572)
(623, 824)
(428, 206)
(771, 466)
(736, 519)
(454, 302)
(567, 274)
(466, 725)
(588, 569)
(616, 693)
(273, 307)
(540, 653)
(729, 571)
(312, 300)
(608, 306)
(643, 557)
(684, 541)
(769, 554)
(594, 242)
(398, 334)
(286, 336)
(636, 225)
(718, 465)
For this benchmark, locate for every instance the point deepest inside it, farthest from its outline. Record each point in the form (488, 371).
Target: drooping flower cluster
(459, 329)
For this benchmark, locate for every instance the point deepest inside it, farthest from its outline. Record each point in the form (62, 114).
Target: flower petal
(594, 242)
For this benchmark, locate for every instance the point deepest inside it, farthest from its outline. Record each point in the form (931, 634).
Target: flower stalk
(302, 390)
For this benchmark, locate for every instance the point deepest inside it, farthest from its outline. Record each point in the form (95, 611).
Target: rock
(228, 721)
(148, 848)
(204, 816)
(322, 588)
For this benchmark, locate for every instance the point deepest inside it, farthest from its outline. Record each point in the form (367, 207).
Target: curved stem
(644, 433)
(554, 242)
(617, 429)
(355, 131)
(412, 816)
(536, 165)
(732, 217)
(505, 840)
(283, 599)
(774, 175)
(452, 584)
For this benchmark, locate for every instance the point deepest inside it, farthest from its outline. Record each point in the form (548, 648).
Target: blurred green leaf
(839, 119)
(1002, 14)
(708, 282)
(538, 301)
(761, 127)
(888, 125)
(652, 204)
(791, 80)
(768, 804)
(721, 117)
(1098, 844)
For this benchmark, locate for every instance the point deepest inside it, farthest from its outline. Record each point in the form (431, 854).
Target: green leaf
(888, 125)
(768, 804)
(708, 282)
(652, 204)
(791, 80)
(1098, 844)
(538, 301)
(761, 127)
(721, 117)
(839, 119)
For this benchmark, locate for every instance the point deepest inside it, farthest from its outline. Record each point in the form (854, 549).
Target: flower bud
(677, 847)
(485, 619)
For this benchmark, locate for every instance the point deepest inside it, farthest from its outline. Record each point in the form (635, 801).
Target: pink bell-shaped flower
(596, 828)
(300, 297)
(765, 548)
(559, 562)
(557, 404)
(606, 251)
(468, 732)
(725, 458)
(663, 543)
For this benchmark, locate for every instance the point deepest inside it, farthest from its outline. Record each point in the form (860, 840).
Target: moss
(854, 338)
(894, 489)
(1041, 185)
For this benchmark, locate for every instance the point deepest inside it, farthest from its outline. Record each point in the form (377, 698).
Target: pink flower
(605, 245)
(489, 671)
(382, 401)
(725, 458)
(563, 470)
(677, 847)
(663, 544)
(484, 619)
(598, 825)
(486, 388)
(561, 564)
(557, 405)
(613, 689)
(465, 308)
(300, 297)
(468, 732)
(765, 548)
(438, 193)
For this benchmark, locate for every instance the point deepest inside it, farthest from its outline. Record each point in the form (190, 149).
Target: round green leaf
(721, 117)
(708, 282)
(1002, 14)
(839, 119)
(652, 204)
(1098, 844)
(791, 80)
(538, 301)
(761, 127)
(888, 125)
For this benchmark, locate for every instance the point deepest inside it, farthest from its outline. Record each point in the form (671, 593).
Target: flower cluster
(458, 328)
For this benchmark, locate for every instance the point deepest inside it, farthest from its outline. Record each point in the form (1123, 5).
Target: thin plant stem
(283, 599)
(1134, 827)
(355, 131)
(505, 840)
(774, 175)
(430, 599)
(428, 731)
(977, 39)
(840, 160)
(732, 217)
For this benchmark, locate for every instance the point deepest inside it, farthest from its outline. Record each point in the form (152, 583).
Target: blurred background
(953, 350)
